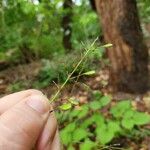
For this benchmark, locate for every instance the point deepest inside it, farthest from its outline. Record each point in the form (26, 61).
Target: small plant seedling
(73, 101)
(65, 106)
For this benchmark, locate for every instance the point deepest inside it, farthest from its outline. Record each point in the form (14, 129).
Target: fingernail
(39, 103)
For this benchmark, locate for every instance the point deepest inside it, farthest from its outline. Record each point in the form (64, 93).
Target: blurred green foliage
(35, 27)
(88, 128)
(144, 9)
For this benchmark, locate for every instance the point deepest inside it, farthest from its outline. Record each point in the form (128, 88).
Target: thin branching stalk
(70, 75)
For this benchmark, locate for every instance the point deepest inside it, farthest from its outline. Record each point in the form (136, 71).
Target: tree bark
(66, 24)
(129, 54)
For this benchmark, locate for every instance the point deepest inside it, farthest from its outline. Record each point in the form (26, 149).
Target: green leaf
(106, 131)
(73, 101)
(105, 100)
(79, 134)
(98, 119)
(95, 105)
(87, 145)
(70, 127)
(127, 123)
(66, 137)
(70, 148)
(114, 126)
(129, 114)
(66, 133)
(89, 72)
(107, 45)
(87, 122)
(141, 118)
(104, 134)
(96, 95)
(65, 106)
(83, 112)
(120, 108)
(74, 113)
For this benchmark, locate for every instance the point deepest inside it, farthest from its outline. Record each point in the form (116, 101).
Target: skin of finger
(24, 129)
(56, 143)
(9, 101)
(48, 133)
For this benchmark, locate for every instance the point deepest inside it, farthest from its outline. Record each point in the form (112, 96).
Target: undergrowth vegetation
(96, 125)
(144, 9)
(31, 28)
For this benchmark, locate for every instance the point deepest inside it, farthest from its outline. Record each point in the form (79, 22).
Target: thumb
(21, 125)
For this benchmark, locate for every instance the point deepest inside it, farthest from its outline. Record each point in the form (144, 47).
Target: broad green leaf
(120, 108)
(74, 113)
(64, 116)
(66, 133)
(79, 134)
(84, 111)
(73, 101)
(96, 95)
(104, 134)
(114, 126)
(87, 122)
(87, 145)
(70, 148)
(98, 119)
(105, 100)
(66, 137)
(141, 118)
(95, 105)
(107, 45)
(89, 72)
(127, 123)
(65, 106)
(129, 114)
(70, 127)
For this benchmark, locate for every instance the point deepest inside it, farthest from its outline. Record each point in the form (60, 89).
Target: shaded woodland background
(41, 41)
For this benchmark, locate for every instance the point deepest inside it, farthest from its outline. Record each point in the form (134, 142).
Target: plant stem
(76, 67)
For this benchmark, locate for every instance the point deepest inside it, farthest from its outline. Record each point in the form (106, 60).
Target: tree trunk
(129, 54)
(66, 24)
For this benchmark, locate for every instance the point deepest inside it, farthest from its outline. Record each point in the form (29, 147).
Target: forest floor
(99, 81)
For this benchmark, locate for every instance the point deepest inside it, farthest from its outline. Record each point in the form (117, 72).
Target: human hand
(25, 122)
